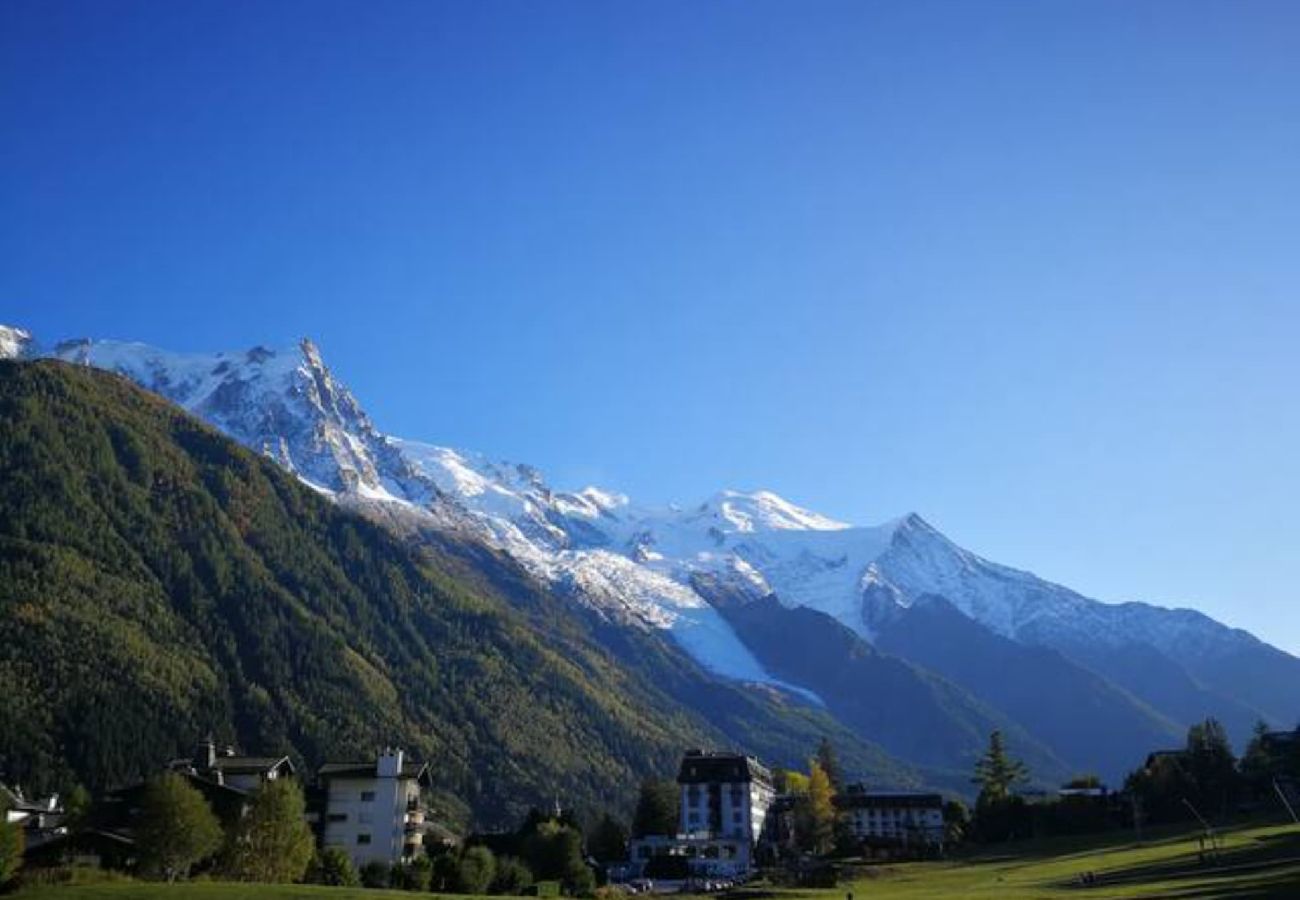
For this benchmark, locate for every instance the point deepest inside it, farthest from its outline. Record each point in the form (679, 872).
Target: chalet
(225, 767)
(374, 811)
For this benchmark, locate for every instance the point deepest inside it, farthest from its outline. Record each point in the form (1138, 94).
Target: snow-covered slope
(635, 564)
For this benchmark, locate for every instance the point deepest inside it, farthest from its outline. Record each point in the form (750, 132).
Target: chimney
(205, 755)
(390, 763)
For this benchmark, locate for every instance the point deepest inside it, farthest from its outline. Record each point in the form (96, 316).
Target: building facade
(902, 818)
(374, 811)
(724, 795)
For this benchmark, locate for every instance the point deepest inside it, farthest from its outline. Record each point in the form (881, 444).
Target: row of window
(364, 818)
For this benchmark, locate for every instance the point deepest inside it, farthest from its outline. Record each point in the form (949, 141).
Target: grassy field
(1255, 862)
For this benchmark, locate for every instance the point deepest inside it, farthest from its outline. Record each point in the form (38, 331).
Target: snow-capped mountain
(642, 565)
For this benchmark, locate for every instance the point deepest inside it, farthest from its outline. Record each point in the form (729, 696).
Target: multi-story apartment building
(374, 810)
(724, 795)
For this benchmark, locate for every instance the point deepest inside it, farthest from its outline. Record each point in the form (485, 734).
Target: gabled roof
(251, 765)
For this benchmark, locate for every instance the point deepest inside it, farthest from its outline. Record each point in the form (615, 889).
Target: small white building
(374, 811)
(905, 818)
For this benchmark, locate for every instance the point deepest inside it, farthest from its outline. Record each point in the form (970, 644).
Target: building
(898, 818)
(374, 811)
(724, 795)
(225, 767)
(725, 798)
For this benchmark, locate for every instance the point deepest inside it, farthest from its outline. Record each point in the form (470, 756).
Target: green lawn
(215, 890)
(1256, 862)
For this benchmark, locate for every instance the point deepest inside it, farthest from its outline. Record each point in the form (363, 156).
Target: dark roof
(251, 765)
(416, 770)
(860, 799)
(699, 767)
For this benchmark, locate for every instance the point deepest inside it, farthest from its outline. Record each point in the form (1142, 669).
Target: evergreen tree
(1212, 766)
(656, 809)
(376, 874)
(416, 875)
(76, 808)
(554, 853)
(1258, 766)
(177, 827)
(829, 761)
(996, 772)
(332, 866)
(513, 877)
(956, 821)
(273, 842)
(608, 841)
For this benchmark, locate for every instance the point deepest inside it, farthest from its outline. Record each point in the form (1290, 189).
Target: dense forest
(158, 582)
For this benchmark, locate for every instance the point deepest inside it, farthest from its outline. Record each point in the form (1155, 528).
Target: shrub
(332, 866)
(376, 874)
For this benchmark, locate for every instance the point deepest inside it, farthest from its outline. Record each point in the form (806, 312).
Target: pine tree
(177, 827)
(1213, 767)
(608, 840)
(829, 760)
(656, 809)
(996, 772)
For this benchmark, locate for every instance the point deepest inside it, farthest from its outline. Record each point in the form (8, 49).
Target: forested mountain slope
(158, 581)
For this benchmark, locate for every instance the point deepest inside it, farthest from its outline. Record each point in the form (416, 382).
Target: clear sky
(1030, 269)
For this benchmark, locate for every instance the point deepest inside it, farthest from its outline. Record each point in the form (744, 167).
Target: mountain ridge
(639, 566)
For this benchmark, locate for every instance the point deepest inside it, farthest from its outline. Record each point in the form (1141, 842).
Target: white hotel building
(373, 810)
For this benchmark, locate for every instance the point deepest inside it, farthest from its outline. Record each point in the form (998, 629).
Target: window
(337, 817)
(363, 839)
(737, 817)
(367, 796)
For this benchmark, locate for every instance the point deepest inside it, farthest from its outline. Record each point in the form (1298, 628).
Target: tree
(814, 813)
(177, 827)
(996, 772)
(554, 853)
(376, 874)
(608, 841)
(446, 872)
(416, 875)
(956, 821)
(830, 764)
(332, 866)
(795, 782)
(1087, 781)
(11, 849)
(1212, 766)
(513, 877)
(273, 843)
(656, 809)
(76, 808)
(478, 866)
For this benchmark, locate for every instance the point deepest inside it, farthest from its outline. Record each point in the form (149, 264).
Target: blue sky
(1030, 269)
